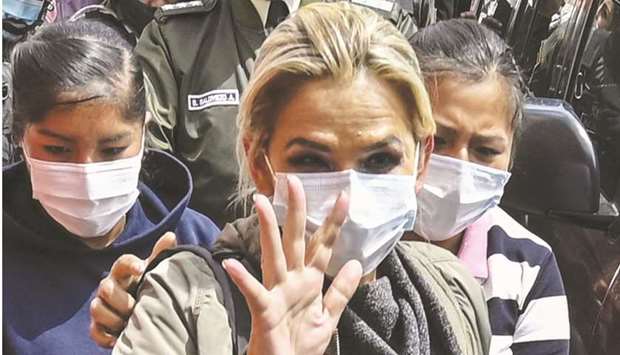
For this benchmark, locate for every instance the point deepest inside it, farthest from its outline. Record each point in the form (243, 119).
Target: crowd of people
(268, 177)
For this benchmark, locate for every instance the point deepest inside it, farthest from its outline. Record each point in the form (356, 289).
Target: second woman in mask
(476, 94)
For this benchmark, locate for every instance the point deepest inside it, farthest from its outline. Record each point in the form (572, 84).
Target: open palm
(290, 314)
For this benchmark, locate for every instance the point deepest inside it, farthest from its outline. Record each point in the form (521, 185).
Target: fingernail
(224, 263)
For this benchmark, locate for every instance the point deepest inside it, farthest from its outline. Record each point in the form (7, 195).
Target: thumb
(167, 241)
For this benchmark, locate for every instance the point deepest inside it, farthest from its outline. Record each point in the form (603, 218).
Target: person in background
(476, 93)
(599, 102)
(87, 191)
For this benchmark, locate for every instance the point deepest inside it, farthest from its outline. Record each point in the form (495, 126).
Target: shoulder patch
(224, 97)
(184, 7)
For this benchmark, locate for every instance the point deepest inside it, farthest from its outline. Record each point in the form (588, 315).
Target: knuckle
(123, 260)
(94, 307)
(105, 287)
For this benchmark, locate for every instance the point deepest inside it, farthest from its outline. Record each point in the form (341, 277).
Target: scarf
(397, 314)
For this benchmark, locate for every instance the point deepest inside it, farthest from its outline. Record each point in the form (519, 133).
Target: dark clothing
(447, 9)
(132, 13)
(606, 86)
(197, 58)
(189, 60)
(50, 276)
(599, 105)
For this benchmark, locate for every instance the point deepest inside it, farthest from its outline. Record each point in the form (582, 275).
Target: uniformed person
(197, 57)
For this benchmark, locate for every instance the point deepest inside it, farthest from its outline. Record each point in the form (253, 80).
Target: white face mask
(455, 194)
(381, 208)
(87, 199)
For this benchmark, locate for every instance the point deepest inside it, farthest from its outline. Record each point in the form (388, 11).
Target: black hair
(68, 63)
(466, 50)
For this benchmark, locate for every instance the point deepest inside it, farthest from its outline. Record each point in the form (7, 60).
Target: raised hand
(290, 314)
(113, 305)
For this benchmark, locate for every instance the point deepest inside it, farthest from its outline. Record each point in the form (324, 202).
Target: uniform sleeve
(161, 86)
(179, 311)
(542, 327)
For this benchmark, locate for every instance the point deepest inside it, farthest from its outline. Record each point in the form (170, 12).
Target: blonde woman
(336, 127)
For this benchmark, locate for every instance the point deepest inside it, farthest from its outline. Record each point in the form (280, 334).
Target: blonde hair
(325, 40)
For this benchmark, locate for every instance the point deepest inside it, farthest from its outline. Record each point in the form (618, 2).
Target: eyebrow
(47, 132)
(477, 137)
(115, 138)
(389, 141)
(107, 140)
(489, 139)
(307, 143)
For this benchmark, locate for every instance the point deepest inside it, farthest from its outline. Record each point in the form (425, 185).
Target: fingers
(255, 294)
(273, 262)
(115, 297)
(342, 289)
(126, 270)
(167, 241)
(294, 230)
(101, 336)
(320, 250)
(103, 316)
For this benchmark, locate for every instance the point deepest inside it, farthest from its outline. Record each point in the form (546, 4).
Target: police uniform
(197, 57)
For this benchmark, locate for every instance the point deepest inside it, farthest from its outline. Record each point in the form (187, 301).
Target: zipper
(337, 342)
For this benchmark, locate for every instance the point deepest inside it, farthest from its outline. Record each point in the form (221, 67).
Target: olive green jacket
(180, 307)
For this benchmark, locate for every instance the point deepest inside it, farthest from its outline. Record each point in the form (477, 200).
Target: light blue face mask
(26, 10)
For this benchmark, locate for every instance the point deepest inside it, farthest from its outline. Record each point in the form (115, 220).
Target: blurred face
(332, 126)
(473, 121)
(89, 132)
(604, 15)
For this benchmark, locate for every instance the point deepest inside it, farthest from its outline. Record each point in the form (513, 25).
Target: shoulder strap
(236, 307)
(183, 8)
(243, 318)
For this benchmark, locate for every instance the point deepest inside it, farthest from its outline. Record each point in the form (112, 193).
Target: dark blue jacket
(50, 276)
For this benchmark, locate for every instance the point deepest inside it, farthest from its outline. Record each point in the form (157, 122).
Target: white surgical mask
(381, 208)
(455, 194)
(87, 199)
(27, 10)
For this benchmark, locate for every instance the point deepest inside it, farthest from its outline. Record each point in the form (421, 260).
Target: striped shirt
(522, 284)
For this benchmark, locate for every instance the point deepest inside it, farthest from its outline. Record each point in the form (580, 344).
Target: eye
(56, 149)
(113, 151)
(381, 163)
(309, 163)
(440, 141)
(487, 152)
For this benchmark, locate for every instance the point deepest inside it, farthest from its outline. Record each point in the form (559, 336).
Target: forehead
(473, 107)
(367, 108)
(86, 120)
